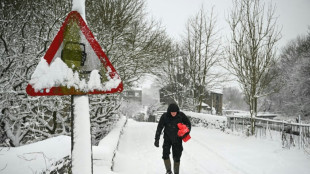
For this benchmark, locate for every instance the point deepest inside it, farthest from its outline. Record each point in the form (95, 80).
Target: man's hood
(173, 108)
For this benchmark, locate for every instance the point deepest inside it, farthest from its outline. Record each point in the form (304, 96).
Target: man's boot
(168, 166)
(176, 167)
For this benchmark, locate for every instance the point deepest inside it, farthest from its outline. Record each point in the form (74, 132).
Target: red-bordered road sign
(55, 45)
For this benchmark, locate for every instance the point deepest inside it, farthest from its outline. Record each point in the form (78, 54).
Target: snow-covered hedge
(207, 120)
(62, 166)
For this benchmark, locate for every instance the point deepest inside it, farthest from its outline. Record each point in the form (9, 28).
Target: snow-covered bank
(207, 120)
(34, 158)
(41, 156)
(103, 153)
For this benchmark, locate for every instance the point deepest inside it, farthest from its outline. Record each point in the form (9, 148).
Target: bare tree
(187, 70)
(134, 45)
(202, 45)
(171, 77)
(252, 49)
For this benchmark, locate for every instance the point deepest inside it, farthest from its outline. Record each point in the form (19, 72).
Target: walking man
(168, 121)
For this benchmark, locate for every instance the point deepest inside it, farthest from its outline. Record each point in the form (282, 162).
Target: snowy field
(210, 151)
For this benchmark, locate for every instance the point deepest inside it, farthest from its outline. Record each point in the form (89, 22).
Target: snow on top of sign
(59, 74)
(94, 80)
(79, 6)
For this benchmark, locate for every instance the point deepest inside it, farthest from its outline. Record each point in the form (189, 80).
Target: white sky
(294, 15)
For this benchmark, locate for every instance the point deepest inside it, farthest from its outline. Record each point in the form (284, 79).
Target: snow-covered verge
(207, 120)
(103, 154)
(34, 158)
(53, 154)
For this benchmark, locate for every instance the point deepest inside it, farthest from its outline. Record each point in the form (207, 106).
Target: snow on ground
(37, 157)
(103, 153)
(209, 151)
(136, 152)
(34, 158)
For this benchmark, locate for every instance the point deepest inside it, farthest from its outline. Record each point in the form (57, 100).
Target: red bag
(183, 129)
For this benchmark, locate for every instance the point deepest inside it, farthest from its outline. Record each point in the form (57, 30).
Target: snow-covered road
(208, 152)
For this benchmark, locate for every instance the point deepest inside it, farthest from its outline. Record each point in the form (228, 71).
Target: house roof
(217, 91)
(204, 104)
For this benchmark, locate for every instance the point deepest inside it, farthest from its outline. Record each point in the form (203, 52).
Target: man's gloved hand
(156, 143)
(187, 133)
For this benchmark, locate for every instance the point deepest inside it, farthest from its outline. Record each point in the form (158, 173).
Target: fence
(291, 134)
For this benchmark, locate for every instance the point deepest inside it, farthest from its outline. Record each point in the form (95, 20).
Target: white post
(211, 103)
(300, 131)
(267, 127)
(82, 149)
(234, 124)
(242, 123)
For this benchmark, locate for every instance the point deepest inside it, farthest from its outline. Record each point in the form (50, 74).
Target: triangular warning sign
(74, 64)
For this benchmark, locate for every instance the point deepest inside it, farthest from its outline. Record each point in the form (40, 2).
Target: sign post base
(81, 148)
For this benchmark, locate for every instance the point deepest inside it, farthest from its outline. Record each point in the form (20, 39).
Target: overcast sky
(293, 18)
(294, 15)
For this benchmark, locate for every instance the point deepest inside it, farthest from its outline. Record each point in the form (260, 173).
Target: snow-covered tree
(134, 45)
(233, 99)
(130, 108)
(293, 95)
(171, 77)
(104, 111)
(187, 71)
(26, 29)
(152, 108)
(202, 47)
(252, 48)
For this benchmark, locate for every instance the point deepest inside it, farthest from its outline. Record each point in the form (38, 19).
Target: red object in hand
(183, 129)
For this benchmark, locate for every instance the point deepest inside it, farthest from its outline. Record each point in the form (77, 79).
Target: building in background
(212, 101)
(215, 100)
(133, 95)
